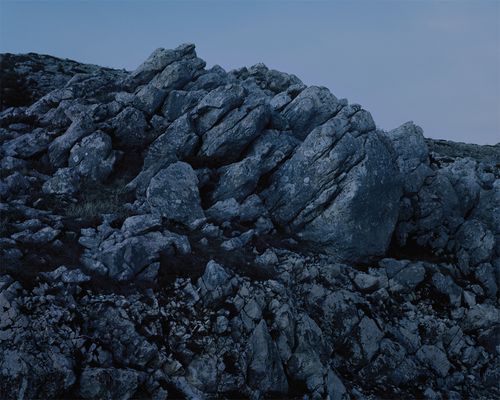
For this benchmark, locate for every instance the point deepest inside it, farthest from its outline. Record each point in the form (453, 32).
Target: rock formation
(183, 232)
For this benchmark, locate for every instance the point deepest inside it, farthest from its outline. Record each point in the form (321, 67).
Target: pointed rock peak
(158, 60)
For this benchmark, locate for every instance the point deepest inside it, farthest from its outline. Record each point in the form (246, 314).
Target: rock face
(177, 231)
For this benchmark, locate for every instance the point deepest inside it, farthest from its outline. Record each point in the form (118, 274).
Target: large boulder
(157, 62)
(93, 157)
(173, 193)
(61, 146)
(340, 189)
(225, 142)
(312, 107)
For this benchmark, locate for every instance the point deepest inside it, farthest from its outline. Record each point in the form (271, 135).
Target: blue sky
(434, 62)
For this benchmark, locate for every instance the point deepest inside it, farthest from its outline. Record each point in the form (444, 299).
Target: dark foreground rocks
(183, 232)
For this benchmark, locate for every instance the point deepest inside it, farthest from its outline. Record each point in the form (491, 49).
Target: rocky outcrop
(183, 232)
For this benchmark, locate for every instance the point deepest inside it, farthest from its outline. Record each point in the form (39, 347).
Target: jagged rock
(407, 278)
(485, 274)
(311, 108)
(149, 99)
(179, 102)
(224, 210)
(108, 383)
(321, 193)
(157, 62)
(108, 292)
(65, 181)
(446, 285)
(122, 257)
(477, 241)
(61, 146)
(27, 145)
(173, 194)
(240, 127)
(203, 374)
(434, 358)
(139, 224)
(216, 104)
(412, 155)
(93, 158)
(265, 369)
(67, 276)
(130, 127)
(240, 180)
(213, 284)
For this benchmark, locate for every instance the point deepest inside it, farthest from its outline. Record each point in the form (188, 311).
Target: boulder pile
(184, 232)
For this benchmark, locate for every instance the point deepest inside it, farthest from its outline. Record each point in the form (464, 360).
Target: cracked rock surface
(184, 232)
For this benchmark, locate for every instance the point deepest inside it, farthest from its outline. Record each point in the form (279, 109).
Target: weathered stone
(60, 147)
(265, 369)
(65, 181)
(434, 358)
(173, 194)
(130, 127)
(108, 383)
(311, 108)
(93, 158)
(322, 192)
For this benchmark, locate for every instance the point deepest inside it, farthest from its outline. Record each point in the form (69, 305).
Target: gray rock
(268, 258)
(485, 274)
(65, 181)
(369, 337)
(180, 102)
(59, 148)
(176, 143)
(412, 155)
(311, 108)
(130, 127)
(93, 157)
(173, 194)
(446, 285)
(213, 284)
(305, 363)
(240, 179)
(27, 145)
(216, 104)
(252, 209)
(149, 99)
(477, 240)
(41, 237)
(203, 374)
(481, 316)
(176, 75)
(11, 164)
(67, 276)
(157, 62)
(335, 388)
(122, 258)
(225, 141)
(265, 369)
(321, 193)
(407, 279)
(224, 210)
(367, 282)
(139, 224)
(108, 383)
(434, 358)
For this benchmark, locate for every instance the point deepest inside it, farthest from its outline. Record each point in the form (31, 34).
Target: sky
(434, 62)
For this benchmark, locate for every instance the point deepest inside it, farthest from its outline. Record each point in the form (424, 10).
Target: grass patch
(101, 199)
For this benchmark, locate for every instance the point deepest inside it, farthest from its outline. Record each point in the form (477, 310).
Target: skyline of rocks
(183, 232)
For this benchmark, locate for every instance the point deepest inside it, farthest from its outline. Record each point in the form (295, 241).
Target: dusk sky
(434, 62)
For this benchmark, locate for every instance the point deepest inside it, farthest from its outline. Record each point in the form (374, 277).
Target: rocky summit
(184, 232)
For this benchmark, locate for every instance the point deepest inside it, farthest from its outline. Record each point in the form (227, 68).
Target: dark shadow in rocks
(414, 252)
